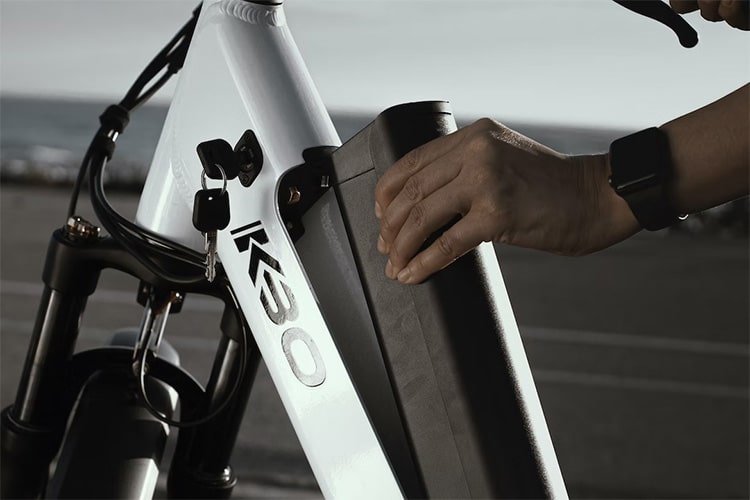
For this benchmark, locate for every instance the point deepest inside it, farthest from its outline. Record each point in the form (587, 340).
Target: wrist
(613, 219)
(619, 212)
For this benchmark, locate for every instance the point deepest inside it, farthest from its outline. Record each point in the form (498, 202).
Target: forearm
(710, 153)
(509, 189)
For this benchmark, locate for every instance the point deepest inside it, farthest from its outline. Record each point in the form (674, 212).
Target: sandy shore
(640, 354)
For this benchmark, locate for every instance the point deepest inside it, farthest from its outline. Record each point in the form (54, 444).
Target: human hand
(735, 12)
(506, 188)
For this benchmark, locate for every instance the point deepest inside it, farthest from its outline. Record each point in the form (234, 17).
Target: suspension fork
(32, 428)
(201, 464)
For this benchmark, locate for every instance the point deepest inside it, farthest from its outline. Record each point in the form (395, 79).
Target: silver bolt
(294, 195)
(79, 228)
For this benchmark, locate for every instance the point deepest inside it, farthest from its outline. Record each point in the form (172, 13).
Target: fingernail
(404, 275)
(381, 244)
(389, 269)
(378, 210)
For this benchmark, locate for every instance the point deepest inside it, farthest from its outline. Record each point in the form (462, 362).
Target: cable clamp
(115, 117)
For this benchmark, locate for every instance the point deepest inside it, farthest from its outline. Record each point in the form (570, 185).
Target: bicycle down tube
(244, 72)
(323, 345)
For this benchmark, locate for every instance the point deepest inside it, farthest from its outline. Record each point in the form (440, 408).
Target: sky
(587, 62)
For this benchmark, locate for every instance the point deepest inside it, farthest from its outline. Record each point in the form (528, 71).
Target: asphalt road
(640, 354)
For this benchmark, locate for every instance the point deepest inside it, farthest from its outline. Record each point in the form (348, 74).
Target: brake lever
(662, 12)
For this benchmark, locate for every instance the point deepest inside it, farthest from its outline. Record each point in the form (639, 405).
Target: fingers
(709, 10)
(393, 181)
(419, 194)
(683, 6)
(735, 13)
(415, 189)
(464, 235)
(424, 219)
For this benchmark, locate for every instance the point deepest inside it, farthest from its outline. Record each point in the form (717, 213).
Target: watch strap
(642, 172)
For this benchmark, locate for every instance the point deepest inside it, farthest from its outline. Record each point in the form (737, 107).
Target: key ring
(223, 178)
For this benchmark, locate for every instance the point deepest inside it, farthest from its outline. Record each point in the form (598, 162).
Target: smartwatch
(642, 174)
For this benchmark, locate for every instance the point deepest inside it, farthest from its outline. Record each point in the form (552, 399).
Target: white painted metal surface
(519, 366)
(243, 71)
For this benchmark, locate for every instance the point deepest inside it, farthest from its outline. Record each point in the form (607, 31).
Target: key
(210, 215)
(210, 248)
(218, 153)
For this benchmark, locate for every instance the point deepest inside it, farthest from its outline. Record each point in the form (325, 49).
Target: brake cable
(139, 241)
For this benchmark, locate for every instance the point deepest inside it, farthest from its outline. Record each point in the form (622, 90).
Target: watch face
(639, 161)
(641, 168)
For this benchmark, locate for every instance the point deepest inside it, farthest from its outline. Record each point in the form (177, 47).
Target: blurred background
(640, 352)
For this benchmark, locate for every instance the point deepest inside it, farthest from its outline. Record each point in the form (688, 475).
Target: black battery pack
(463, 407)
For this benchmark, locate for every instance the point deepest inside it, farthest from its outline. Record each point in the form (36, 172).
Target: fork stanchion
(32, 428)
(201, 464)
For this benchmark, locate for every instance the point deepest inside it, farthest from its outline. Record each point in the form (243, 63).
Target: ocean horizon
(42, 141)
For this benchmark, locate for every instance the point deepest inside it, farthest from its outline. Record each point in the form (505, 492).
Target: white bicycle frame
(243, 71)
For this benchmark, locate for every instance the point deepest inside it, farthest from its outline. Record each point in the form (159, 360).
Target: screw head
(294, 195)
(79, 228)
